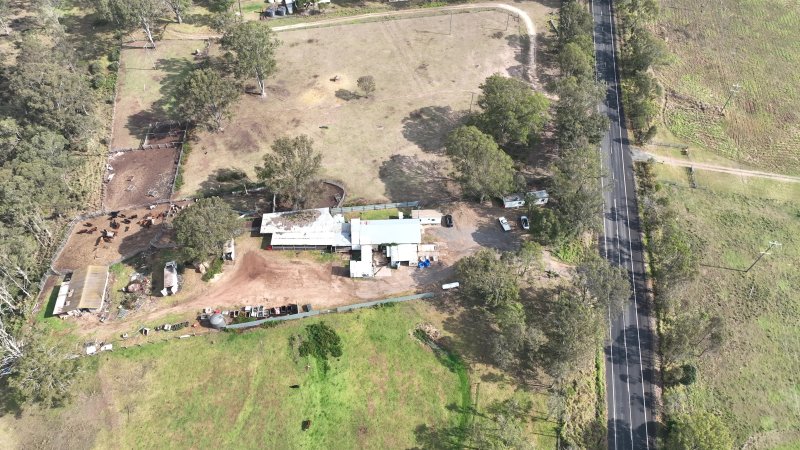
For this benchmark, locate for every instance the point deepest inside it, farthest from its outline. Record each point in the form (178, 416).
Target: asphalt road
(629, 347)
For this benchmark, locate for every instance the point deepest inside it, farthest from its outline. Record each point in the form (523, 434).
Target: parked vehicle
(504, 224)
(447, 221)
(526, 224)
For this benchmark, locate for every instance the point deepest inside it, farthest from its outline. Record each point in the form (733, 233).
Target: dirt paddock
(140, 176)
(83, 249)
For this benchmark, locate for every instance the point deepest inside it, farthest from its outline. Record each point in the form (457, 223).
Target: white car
(526, 224)
(504, 224)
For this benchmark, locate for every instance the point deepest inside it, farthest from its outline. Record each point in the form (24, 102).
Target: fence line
(345, 209)
(255, 323)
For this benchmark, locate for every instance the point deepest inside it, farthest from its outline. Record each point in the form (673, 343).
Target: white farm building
(317, 229)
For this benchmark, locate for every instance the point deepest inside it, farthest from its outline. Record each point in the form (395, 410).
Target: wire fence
(303, 315)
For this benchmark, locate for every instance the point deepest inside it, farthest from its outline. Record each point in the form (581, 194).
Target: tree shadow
(347, 95)
(438, 438)
(546, 71)
(428, 127)
(472, 335)
(8, 404)
(175, 70)
(408, 178)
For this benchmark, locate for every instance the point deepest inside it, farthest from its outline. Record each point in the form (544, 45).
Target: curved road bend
(630, 371)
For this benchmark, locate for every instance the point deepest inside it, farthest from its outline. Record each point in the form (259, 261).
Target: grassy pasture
(232, 390)
(753, 43)
(753, 381)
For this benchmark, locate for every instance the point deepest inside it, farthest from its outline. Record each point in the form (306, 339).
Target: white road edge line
(628, 220)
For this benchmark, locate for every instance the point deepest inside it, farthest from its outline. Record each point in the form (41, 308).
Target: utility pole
(765, 252)
(734, 90)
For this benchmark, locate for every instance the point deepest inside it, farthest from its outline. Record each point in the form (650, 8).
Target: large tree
(42, 374)
(483, 169)
(607, 285)
(575, 62)
(572, 329)
(688, 335)
(486, 280)
(575, 26)
(512, 112)
(575, 190)
(203, 229)
(290, 168)
(206, 97)
(133, 14)
(577, 118)
(698, 431)
(178, 7)
(253, 46)
(46, 88)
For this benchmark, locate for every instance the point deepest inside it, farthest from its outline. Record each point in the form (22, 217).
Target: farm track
(529, 26)
(644, 156)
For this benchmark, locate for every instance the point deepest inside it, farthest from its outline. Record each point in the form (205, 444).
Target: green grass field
(753, 380)
(753, 43)
(233, 391)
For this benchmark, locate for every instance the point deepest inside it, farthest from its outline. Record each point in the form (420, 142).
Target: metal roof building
(306, 228)
(318, 228)
(383, 232)
(85, 291)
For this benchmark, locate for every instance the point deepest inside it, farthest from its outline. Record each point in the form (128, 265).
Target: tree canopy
(486, 280)
(253, 47)
(606, 284)
(42, 375)
(203, 229)
(698, 431)
(482, 168)
(576, 118)
(321, 340)
(178, 7)
(512, 112)
(366, 84)
(133, 14)
(207, 98)
(575, 188)
(290, 168)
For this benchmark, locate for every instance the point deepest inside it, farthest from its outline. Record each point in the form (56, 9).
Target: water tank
(217, 321)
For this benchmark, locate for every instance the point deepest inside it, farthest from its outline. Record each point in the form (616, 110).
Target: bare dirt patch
(140, 177)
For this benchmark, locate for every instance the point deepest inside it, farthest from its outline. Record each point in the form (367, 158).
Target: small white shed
(427, 216)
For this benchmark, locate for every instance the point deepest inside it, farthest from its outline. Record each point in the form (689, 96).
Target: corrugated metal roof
(391, 231)
(88, 287)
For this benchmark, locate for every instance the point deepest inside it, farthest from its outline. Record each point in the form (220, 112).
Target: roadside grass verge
(751, 381)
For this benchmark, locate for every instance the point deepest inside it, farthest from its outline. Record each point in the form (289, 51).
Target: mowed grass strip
(752, 43)
(753, 380)
(233, 390)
